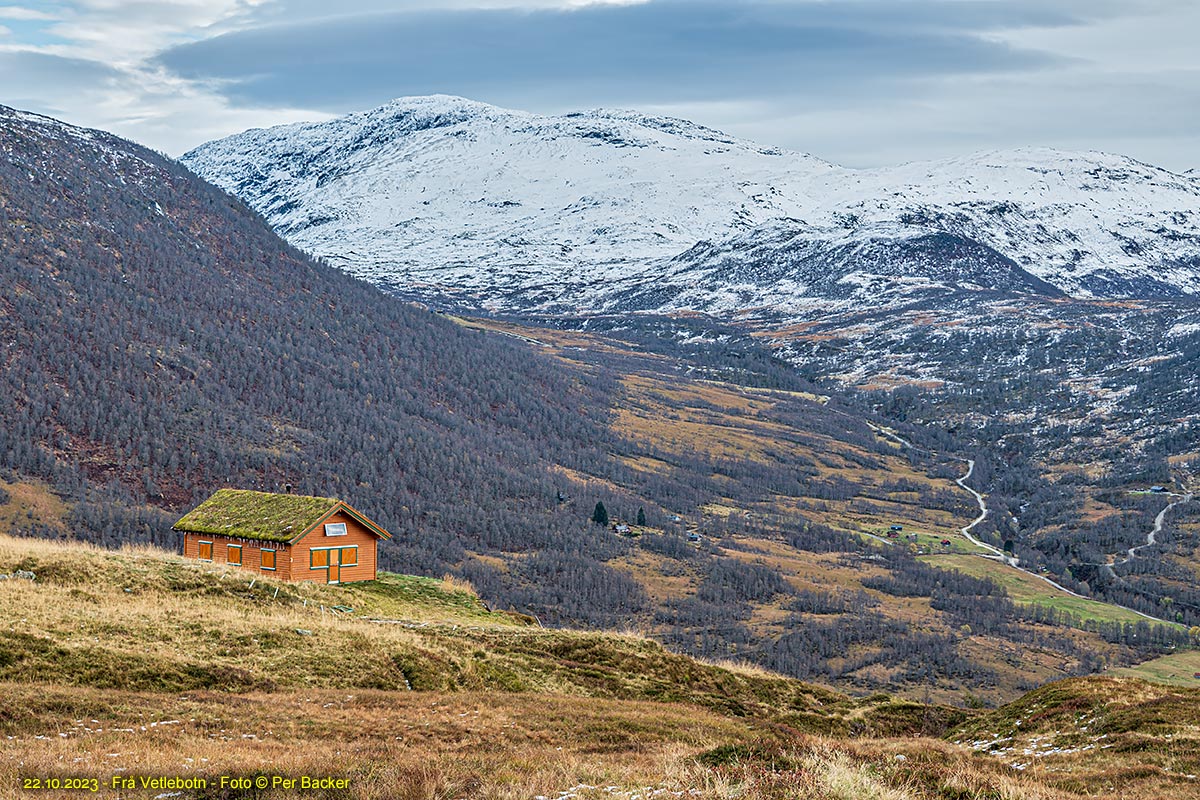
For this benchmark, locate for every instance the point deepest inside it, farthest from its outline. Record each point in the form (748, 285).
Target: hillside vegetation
(757, 507)
(141, 662)
(793, 496)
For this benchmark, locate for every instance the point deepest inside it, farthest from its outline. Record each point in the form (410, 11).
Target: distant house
(288, 536)
(1158, 489)
(621, 527)
(945, 542)
(693, 537)
(896, 528)
(676, 518)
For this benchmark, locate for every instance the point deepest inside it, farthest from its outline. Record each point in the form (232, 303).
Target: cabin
(1158, 489)
(945, 542)
(621, 527)
(288, 536)
(896, 528)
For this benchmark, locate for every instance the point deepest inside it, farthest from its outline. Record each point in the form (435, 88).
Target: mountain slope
(448, 198)
(224, 357)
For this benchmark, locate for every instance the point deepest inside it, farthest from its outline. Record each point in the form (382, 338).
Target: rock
(304, 632)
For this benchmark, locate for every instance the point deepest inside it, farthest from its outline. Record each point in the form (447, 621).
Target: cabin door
(335, 566)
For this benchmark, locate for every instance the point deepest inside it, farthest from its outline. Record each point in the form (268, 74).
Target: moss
(256, 515)
(764, 754)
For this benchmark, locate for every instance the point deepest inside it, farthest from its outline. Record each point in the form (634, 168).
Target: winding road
(997, 554)
(983, 514)
(1152, 537)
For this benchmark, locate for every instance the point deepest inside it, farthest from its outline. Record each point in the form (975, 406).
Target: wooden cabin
(288, 536)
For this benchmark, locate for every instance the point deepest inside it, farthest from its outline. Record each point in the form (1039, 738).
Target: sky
(859, 82)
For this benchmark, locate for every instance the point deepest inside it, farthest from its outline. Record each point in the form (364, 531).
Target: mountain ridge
(461, 202)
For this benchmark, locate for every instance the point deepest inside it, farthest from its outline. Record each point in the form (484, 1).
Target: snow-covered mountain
(445, 197)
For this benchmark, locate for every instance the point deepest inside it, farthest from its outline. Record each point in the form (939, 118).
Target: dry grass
(437, 745)
(154, 621)
(474, 705)
(452, 583)
(31, 503)
(1099, 736)
(389, 745)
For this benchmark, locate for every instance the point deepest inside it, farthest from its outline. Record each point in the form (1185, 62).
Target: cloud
(155, 109)
(863, 82)
(25, 14)
(40, 73)
(647, 53)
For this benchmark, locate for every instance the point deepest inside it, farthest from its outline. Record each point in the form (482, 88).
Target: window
(349, 556)
(268, 559)
(319, 559)
(235, 555)
(335, 529)
(205, 553)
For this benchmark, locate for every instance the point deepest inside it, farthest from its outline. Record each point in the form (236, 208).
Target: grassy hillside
(1119, 737)
(145, 620)
(1176, 669)
(139, 662)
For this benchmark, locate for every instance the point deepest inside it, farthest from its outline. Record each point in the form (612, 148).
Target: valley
(858, 464)
(884, 481)
(1036, 306)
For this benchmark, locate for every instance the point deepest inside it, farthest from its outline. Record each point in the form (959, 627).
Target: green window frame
(353, 550)
(231, 551)
(203, 546)
(262, 559)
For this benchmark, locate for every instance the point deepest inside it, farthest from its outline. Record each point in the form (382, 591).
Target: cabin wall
(251, 553)
(357, 535)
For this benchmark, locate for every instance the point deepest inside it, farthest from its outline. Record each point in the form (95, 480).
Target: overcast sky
(858, 82)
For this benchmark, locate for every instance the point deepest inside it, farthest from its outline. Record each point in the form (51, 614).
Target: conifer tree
(600, 515)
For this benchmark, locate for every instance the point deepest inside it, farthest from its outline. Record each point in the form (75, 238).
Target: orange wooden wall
(356, 534)
(292, 562)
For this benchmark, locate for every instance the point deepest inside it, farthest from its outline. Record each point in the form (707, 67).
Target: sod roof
(256, 515)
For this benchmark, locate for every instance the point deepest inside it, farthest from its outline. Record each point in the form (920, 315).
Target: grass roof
(256, 515)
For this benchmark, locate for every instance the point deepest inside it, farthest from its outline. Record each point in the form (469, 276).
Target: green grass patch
(1029, 590)
(1177, 669)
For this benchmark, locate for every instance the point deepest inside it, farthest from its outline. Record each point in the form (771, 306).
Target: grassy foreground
(140, 664)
